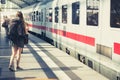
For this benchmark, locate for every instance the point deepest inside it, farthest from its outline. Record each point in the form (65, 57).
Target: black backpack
(16, 30)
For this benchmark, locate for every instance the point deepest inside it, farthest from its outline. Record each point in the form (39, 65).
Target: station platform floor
(42, 61)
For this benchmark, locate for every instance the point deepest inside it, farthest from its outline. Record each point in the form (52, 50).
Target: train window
(75, 13)
(56, 14)
(36, 12)
(37, 16)
(30, 15)
(115, 14)
(118, 78)
(34, 16)
(50, 14)
(92, 12)
(46, 15)
(41, 15)
(64, 14)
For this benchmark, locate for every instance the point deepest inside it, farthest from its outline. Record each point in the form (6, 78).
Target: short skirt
(19, 42)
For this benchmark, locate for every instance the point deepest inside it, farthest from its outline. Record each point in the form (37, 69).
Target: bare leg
(14, 52)
(19, 56)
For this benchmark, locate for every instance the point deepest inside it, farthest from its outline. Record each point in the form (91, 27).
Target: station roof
(23, 3)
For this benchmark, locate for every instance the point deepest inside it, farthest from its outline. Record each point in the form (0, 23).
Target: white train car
(86, 29)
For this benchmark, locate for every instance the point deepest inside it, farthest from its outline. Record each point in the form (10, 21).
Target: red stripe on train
(38, 27)
(117, 48)
(78, 37)
(81, 38)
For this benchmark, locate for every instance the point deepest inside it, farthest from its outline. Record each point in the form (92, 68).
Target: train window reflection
(64, 14)
(56, 14)
(75, 13)
(115, 14)
(92, 12)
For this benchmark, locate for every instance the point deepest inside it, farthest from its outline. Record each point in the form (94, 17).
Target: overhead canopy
(21, 3)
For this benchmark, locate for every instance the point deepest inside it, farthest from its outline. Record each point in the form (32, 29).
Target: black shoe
(11, 69)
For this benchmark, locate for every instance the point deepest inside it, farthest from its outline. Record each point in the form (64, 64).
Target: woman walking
(17, 38)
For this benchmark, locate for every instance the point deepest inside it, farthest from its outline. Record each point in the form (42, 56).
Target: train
(88, 30)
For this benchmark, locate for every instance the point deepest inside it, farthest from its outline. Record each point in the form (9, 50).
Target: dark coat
(17, 32)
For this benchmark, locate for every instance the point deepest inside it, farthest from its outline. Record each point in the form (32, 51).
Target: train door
(60, 25)
(92, 20)
(56, 26)
(63, 26)
(43, 20)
